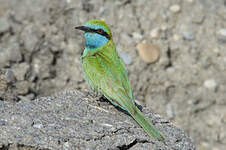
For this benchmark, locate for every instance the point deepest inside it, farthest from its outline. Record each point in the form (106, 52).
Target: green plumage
(105, 72)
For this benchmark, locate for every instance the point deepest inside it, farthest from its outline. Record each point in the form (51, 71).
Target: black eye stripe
(103, 33)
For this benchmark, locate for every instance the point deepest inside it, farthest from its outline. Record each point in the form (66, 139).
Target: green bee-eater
(105, 72)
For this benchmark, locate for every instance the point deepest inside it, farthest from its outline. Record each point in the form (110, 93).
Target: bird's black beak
(83, 28)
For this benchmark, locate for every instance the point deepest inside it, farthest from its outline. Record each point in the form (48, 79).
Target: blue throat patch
(94, 40)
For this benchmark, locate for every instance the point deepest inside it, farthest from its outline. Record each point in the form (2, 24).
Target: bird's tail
(146, 125)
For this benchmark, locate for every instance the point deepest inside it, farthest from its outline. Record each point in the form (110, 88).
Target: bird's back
(105, 72)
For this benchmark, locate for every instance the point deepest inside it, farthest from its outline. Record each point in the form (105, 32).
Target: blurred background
(174, 50)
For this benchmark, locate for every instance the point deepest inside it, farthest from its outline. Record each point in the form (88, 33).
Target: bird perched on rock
(105, 72)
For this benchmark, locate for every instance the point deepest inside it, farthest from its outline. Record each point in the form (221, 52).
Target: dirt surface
(41, 49)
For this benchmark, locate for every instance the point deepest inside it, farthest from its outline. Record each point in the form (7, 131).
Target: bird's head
(97, 34)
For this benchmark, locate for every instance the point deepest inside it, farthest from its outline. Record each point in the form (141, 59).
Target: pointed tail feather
(146, 125)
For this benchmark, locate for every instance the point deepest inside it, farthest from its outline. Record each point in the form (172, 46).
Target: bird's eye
(100, 31)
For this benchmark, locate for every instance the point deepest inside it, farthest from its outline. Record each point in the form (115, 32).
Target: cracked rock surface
(75, 120)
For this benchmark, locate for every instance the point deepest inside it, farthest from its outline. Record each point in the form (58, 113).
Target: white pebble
(190, 1)
(66, 145)
(38, 125)
(155, 33)
(222, 32)
(210, 84)
(170, 111)
(175, 8)
(176, 37)
(137, 36)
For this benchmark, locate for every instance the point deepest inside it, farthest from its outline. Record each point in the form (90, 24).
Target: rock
(137, 36)
(9, 76)
(56, 41)
(187, 32)
(191, 1)
(175, 8)
(7, 89)
(198, 18)
(10, 52)
(20, 70)
(170, 111)
(30, 37)
(4, 24)
(164, 27)
(148, 52)
(28, 97)
(41, 64)
(22, 87)
(205, 146)
(154, 33)
(222, 32)
(6, 79)
(75, 120)
(176, 37)
(210, 84)
(221, 35)
(39, 125)
(126, 58)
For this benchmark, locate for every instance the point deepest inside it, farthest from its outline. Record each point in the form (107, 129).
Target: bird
(105, 72)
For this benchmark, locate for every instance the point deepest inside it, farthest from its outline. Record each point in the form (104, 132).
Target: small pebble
(205, 145)
(175, 8)
(154, 33)
(190, 1)
(224, 118)
(210, 84)
(187, 32)
(38, 125)
(4, 24)
(66, 145)
(222, 32)
(148, 52)
(171, 70)
(221, 35)
(126, 58)
(20, 70)
(102, 10)
(2, 122)
(198, 18)
(217, 51)
(10, 77)
(170, 111)
(221, 136)
(176, 37)
(164, 27)
(137, 36)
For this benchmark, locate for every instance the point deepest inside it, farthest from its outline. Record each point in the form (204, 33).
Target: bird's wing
(115, 84)
(126, 82)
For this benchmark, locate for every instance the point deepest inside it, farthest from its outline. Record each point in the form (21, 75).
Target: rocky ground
(40, 53)
(79, 121)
